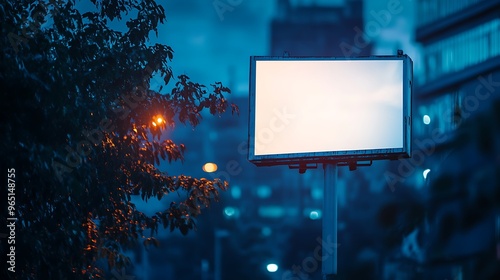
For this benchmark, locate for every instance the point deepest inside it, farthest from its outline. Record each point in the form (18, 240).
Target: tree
(466, 177)
(82, 129)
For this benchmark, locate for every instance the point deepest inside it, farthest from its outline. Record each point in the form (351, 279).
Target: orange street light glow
(159, 120)
(154, 124)
(209, 167)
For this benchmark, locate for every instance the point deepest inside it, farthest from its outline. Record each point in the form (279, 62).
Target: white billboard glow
(317, 109)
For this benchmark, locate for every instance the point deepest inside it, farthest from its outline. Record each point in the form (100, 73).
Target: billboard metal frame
(333, 156)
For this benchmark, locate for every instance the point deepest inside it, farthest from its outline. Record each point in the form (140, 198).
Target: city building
(460, 50)
(459, 82)
(316, 29)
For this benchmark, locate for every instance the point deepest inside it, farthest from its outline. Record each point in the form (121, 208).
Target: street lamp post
(219, 234)
(329, 266)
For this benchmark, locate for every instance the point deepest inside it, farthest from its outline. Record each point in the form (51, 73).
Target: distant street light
(209, 167)
(425, 173)
(315, 215)
(229, 211)
(219, 234)
(157, 120)
(272, 267)
(426, 119)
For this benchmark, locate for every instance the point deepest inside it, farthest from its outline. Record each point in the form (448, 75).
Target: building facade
(317, 30)
(457, 90)
(460, 49)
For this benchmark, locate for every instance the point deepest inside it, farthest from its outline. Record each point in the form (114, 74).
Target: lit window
(266, 231)
(316, 193)
(271, 211)
(235, 192)
(264, 191)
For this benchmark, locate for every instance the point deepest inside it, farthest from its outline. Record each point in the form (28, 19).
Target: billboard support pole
(329, 266)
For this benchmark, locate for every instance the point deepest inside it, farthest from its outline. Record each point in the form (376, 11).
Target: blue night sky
(211, 46)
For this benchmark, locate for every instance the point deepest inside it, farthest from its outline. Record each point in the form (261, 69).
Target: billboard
(324, 109)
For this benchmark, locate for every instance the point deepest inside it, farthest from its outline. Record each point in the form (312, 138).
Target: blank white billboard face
(310, 107)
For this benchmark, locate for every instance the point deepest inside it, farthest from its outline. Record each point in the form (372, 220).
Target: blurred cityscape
(434, 216)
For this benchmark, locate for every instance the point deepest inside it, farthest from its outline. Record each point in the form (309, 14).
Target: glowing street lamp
(272, 267)
(425, 173)
(209, 167)
(157, 120)
(426, 119)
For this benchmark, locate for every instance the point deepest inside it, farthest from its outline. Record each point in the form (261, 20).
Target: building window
(433, 10)
(462, 50)
(442, 115)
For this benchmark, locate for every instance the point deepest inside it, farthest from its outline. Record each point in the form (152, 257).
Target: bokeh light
(272, 267)
(426, 119)
(425, 173)
(209, 167)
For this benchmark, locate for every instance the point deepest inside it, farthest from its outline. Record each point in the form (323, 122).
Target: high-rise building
(460, 57)
(310, 28)
(459, 80)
